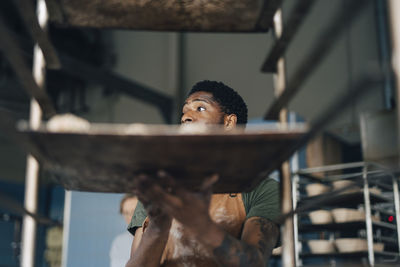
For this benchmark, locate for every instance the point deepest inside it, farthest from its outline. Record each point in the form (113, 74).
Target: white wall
(234, 59)
(144, 57)
(354, 51)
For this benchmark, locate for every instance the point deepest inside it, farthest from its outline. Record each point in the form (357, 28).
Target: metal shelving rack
(286, 90)
(366, 174)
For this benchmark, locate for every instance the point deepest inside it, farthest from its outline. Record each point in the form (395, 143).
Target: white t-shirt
(121, 249)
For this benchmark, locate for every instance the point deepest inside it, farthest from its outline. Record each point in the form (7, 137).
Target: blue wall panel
(94, 222)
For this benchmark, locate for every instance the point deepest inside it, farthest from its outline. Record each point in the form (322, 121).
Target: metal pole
(288, 258)
(295, 186)
(394, 9)
(382, 26)
(180, 74)
(368, 220)
(32, 167)
(396, 208)
(66, 225)
(176, 83)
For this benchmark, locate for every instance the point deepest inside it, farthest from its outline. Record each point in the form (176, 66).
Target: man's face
(200, 107)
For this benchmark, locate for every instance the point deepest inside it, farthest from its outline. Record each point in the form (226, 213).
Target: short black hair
(229, 100)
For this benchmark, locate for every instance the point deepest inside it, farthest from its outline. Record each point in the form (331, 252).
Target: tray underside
(108, 162)
(167, 15)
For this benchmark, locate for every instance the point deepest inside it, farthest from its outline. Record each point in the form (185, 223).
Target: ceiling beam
(325, 42)
(115, 81)
(266, 17)
(15, 207)
(40, 36)
(296, 18)
(11, 51)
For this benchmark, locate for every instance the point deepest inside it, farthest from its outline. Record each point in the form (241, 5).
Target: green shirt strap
(138, 218)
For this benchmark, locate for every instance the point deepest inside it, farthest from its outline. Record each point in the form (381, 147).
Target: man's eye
(201, 109)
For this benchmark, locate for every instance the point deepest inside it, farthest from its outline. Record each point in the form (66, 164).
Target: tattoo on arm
(233, 252)
(268, 238)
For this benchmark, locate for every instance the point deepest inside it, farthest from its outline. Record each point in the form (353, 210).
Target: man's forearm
(150, 249)
(233, 252)
(230, 251)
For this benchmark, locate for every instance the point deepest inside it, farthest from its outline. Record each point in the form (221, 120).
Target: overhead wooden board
(106, 157)
(167, 15)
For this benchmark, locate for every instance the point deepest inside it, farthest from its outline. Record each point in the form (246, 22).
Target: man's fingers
(159, 195)
(166, 181)
(149, 189)
(208, 183)
(153, 210)
(141, 182)
(170, 185)
(143, 185)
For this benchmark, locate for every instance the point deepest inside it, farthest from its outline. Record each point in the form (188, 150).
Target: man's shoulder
(268, 184)
(263, 201)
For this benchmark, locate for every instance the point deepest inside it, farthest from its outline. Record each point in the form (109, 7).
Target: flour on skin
(221, 216)
(185, 245)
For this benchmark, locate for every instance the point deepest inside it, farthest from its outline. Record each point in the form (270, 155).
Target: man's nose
(186, 118)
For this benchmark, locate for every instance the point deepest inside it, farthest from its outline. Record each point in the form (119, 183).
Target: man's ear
(230, 121)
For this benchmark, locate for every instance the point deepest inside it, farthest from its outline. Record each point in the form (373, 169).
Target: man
(185, 228)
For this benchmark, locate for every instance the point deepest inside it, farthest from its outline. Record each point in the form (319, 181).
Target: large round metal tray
(106, 158)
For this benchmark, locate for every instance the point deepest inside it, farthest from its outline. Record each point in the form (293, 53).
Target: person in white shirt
(120, 247)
